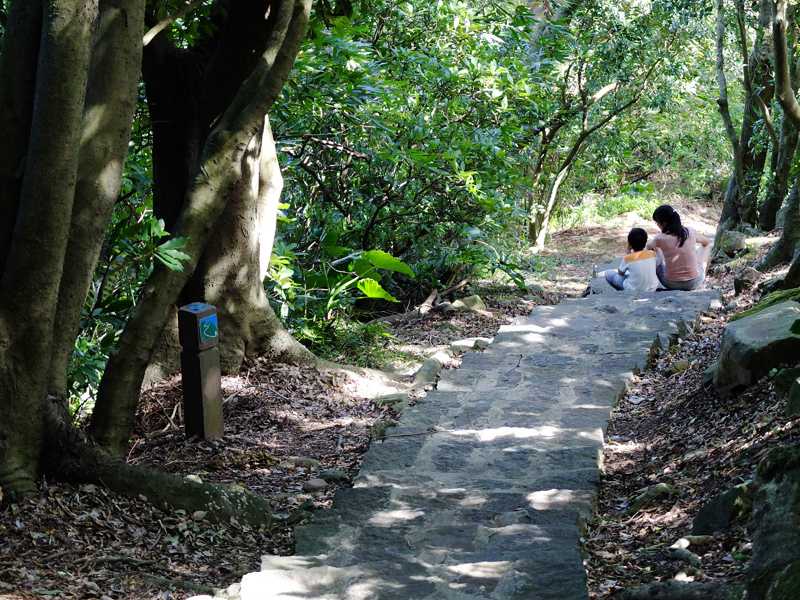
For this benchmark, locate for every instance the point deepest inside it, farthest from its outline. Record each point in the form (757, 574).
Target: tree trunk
(216, 175)
(779, 182)
(788, 245)
(231, 271)
(739, 205)
(43, 214)
(107, 118)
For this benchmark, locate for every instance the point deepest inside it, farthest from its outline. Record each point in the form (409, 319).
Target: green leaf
(383, 260)
(373, 289)
(365, 268)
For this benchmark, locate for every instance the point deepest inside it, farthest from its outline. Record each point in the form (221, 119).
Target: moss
(770, 300)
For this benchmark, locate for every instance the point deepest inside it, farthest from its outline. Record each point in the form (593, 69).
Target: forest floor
(285, 425)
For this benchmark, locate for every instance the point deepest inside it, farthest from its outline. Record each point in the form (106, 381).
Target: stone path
(484, 488)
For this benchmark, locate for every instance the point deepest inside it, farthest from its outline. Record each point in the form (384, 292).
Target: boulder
(724, 509)
(732, 242)
(774, 568)
(752, 346)
(745, 280)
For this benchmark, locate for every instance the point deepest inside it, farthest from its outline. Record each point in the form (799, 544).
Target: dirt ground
(285, 425)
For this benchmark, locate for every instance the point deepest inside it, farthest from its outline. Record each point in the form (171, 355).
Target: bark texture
(216, 175)
(43, 209)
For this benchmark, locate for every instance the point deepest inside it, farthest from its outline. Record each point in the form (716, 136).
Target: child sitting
(637, 271)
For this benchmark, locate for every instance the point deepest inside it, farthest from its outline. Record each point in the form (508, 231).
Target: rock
(775, 527)
(658, 491)
(314, 485)
(199, 515)
(732, 242)
(770, 285)
(298, 461)
(750, 347)
(473, 302)
(786, 584)
(793, 399)
(681, 365)
(708, 375)
(333, 476)
(745, 280)
(535, 288)
(390, 399)
(784, 380)
(724, 509)
(731, 306)
(482, 343)
(194, 478)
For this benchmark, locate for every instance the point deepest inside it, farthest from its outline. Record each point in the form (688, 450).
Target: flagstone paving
(482, 490)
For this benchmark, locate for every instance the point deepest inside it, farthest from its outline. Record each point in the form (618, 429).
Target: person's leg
(614, 279)
(704, 258)
(661, 273)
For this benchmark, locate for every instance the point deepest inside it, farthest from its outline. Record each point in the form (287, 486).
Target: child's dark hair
(671, 220)
(637, 238)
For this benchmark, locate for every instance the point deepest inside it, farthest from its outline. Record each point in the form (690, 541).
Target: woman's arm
(703, 240)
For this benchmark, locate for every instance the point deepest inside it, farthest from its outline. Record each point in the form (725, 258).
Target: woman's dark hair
(671, 220)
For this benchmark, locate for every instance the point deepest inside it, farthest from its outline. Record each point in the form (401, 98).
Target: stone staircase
(483, 489)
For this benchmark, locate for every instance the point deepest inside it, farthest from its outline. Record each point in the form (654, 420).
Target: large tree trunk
(231, 271)
(43, 210)
(216, 175)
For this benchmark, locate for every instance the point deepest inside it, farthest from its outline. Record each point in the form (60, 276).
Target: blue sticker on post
(208, 328)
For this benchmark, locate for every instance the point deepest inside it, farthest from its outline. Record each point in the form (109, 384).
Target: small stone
(91, 586)
(746, 280)
(298, 461)
(784, 380)
(482, 343)
(793, 399)
(199, 515)
(314, 485)
(194, 478)
(390, 399)
(333, 476)
(681, 365)
(732, 242)
(731, 306)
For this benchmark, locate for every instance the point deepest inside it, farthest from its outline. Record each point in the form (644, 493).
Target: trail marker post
(202, 379)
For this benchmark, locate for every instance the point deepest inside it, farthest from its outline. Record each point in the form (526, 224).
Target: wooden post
(202, 379)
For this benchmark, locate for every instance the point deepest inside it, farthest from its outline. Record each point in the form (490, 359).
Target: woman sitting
(684, 267)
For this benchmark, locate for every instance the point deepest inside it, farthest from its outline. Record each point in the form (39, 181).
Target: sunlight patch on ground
(482, 570)
(490, 435)
(391, 517)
